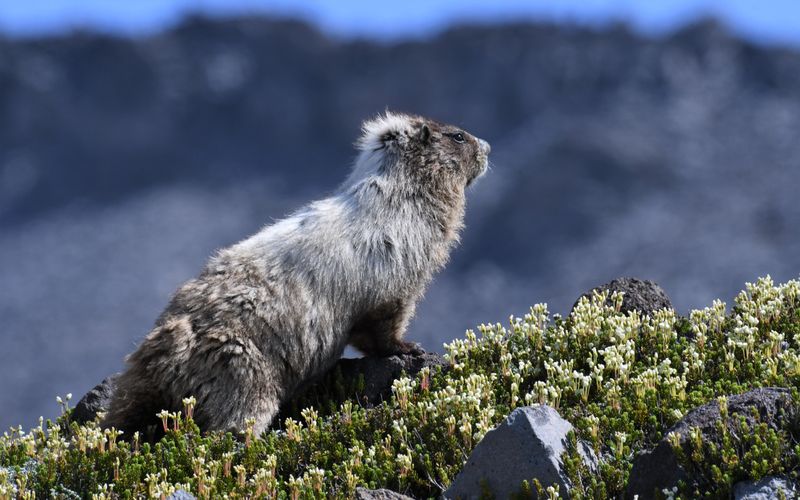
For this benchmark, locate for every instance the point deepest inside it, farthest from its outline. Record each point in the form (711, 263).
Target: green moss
(622, 380)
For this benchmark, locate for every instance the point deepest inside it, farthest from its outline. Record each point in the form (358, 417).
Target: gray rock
(658, 468)
(181, 495)
(95, 401)
(382, 494)
(640, 295)
(527, 445)
(767, 488)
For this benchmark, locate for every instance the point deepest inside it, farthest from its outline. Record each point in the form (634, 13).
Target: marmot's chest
(396, 268)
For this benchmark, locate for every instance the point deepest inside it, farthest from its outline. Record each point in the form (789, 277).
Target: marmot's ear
(424, 134)
(384, 131)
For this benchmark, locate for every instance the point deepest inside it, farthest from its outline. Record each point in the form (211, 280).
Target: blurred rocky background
(125, 162)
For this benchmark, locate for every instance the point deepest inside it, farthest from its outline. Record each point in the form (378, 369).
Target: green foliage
(622, 379)
(738, 451)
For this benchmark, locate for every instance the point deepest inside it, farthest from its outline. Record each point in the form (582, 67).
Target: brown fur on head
(425, 149)
(446, 150)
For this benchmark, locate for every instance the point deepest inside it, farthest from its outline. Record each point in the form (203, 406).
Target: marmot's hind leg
(242, 406)
(134, 405)
(233, 387)
(141, 391)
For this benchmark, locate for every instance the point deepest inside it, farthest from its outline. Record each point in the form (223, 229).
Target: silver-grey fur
(277, 309)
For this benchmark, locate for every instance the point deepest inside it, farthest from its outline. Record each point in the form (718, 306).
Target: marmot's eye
(458, 137)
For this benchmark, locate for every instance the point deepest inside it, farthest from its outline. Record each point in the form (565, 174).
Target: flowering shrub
(621, 379)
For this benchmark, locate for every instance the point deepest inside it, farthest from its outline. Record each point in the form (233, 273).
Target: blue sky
(768, 21)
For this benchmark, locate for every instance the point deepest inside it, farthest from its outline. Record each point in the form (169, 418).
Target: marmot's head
(420, 150)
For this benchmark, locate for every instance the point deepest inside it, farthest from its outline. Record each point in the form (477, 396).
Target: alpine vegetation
(622, 379)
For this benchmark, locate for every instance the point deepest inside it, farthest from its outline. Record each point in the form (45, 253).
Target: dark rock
(94, 401)
(382, 494)
(767, 488)
(379, 373)
(181, 495)
(653, 471)
(368, 379)
(657, 469)
(639, 295)
(527, 445)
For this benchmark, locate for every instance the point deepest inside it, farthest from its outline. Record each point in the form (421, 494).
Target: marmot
(277, 309)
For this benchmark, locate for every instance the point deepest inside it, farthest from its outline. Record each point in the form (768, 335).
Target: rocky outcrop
(379, 373)
(527, 445)
(644, 296)
(368, 380)
(659, 468)
(95, 401)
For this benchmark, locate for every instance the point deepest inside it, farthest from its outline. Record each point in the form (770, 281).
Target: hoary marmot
(277, 309)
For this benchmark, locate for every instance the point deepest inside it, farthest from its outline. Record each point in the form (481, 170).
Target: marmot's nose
(485, 146)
